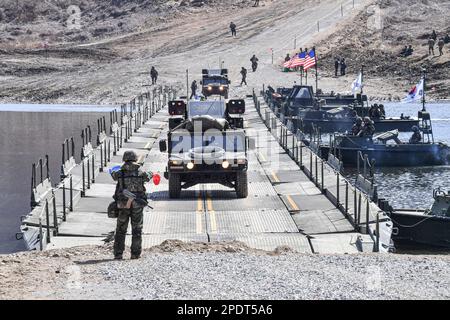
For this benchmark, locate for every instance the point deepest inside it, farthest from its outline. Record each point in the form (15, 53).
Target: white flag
(357, 84)
(416, 93)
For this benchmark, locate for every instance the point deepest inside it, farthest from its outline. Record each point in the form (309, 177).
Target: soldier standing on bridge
(154, 75)
(233, 29)
(193, 89)
(132, 179)
(254, 60)
(244, 76)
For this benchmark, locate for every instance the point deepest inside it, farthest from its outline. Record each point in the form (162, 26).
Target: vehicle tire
(174, 185)
(241, 185)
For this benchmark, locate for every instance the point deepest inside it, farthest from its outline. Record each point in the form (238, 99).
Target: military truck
(208, 145)
(215, 82)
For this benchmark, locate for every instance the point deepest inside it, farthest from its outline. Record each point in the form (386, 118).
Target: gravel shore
(176, 270)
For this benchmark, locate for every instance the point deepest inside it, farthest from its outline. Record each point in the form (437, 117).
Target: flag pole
(362, 79)
(301, 76)
(187, 85)
(317, 78)
(424, 76)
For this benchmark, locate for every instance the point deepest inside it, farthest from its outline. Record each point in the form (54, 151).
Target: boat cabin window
(303, 93)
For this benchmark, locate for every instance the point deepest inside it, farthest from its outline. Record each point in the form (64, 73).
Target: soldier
(372, 110)
(244, 76)
(382, 111)
(233, 29)
(441, 44)
(154, 75)
(409, 51)
(357, 127)
(431, 43)
(254, 61)
(447, 39)
(131, 178)
(343, 67)
(193, 89)
(256, 3)
(416, 137)
(433, 35)
(288, 58)
(368, 128)
(376, 113)
(336, 67)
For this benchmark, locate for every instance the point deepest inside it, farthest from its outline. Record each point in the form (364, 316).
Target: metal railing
(314, 166)
(93, 160)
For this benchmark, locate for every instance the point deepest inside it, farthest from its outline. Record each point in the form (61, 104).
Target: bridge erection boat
(386, 149)
(428, 227)
(306, 110)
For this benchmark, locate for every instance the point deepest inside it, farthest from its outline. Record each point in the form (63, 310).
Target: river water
(27, 133)
(413, 187)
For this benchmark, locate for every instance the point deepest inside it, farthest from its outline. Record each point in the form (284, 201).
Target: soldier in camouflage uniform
(130, 177)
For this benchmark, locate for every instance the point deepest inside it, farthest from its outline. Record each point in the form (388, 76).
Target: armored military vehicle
(208, 144)
(215, 82)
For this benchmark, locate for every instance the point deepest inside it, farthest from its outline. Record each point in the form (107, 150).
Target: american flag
(310, 60)
(297, 61)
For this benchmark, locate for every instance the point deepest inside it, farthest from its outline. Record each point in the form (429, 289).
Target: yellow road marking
(261, 156)
(275, 177)
(148, 145)
(162, 125)
(292, 203)
(141, 159)
(198, 216)
(212, 214)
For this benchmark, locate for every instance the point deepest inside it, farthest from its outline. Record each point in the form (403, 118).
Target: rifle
(131, 197)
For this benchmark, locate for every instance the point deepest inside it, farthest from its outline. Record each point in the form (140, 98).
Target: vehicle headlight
(175, 162)
(209, 88)
(190, 165)
(225, 164)
(221, 88)
(241, 161)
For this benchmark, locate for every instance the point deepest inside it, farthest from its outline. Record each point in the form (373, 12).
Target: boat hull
(343, 125)
(419, 228)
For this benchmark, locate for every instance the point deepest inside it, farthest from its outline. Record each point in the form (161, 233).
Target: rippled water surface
(412, 187)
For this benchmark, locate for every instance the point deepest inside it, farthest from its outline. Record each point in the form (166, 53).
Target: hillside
(378, 34)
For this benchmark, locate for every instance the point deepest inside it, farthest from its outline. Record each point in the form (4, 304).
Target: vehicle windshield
(215, 80)
(230, 142)
(215, 109)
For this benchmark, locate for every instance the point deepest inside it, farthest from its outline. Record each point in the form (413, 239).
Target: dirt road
(114, 69)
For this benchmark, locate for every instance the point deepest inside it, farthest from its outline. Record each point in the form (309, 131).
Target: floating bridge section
(295, 199)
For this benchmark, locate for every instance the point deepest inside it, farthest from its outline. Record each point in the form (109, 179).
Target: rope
(413, 225)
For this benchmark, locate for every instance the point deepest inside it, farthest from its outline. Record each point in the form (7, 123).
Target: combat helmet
(367, 120)
(359, 120)
(129, 156)
(415, 129)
